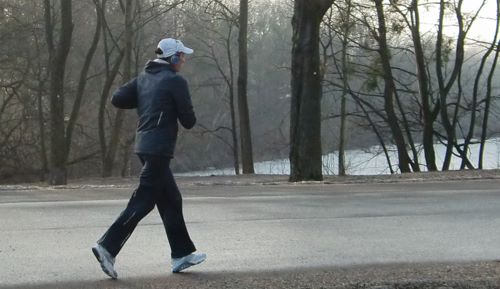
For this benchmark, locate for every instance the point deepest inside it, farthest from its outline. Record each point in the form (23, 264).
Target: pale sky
(482, 29)
(485, 26)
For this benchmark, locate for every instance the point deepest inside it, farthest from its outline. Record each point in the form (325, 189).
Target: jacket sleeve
(183, 104)
(126, 96)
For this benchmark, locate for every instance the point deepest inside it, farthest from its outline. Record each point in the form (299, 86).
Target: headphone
(175, 59)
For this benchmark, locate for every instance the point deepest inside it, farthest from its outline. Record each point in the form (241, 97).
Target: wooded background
(269, 80)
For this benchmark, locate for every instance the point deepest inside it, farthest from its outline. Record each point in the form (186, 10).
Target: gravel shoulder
(269, 180)
(120, 188)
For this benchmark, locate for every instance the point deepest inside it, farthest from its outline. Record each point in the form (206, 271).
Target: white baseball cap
(170, 46)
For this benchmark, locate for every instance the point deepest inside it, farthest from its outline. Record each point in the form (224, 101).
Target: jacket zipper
(159, 119)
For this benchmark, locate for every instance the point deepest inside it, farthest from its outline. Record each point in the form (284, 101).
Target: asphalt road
(46, 234)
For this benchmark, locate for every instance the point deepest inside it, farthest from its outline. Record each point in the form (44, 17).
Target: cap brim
(187, 50)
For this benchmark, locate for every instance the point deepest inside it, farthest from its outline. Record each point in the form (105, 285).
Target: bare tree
(305, 125)
(224, 12)
(41, 126)
(58, 52)
(475, 91)
(445, 85)
(219, 45)
(41, 78)
(109, 159)
(430, 110)
(82, 82)
(338, 27)
(346, 26)
(245, 131)
(112, 67)
(488, 97)
(390, 89)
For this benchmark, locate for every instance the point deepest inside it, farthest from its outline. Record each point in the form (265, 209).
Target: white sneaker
(106, 260)
(179, 264)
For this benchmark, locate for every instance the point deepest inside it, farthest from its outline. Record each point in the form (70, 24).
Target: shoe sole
(184, 266)
(104, 269)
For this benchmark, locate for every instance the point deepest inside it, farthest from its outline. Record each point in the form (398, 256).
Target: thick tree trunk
(245, 131)
(57, 67)
(305, 122)
(389, 90)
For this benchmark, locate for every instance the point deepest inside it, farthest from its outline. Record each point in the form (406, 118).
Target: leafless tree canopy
(405, 75)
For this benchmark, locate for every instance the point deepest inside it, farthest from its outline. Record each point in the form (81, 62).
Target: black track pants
(156, 187)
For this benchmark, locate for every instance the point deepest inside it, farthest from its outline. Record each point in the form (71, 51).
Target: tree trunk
(232, 109)
(109, 160)
(429, 114)
(234, 134)
(488, 99)
(83, 81)
(461, 152)
(343, 118)
(379, 136)
(346, 21)
(445, 87)
(125, 172)
(245, 132)
(57, 66)
(389, 90)
(111, 74)
(41, 126)
(229, 80)
(305, 122)
(373, 125)
(102, 106)
(415, 164)
(475, 93)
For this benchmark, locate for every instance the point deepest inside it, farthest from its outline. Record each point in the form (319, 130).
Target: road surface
(252, 228)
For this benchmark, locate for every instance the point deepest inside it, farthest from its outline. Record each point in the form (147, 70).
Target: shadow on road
(484, 275)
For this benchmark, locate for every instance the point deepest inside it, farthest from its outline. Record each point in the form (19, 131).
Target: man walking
(161, 98)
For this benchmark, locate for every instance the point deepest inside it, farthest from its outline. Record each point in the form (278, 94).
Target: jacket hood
(157, 65)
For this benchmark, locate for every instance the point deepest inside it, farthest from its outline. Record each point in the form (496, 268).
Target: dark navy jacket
(161, 97)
